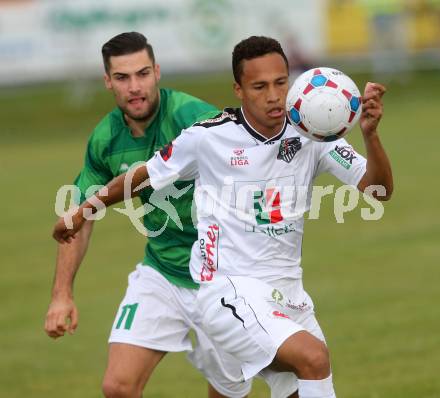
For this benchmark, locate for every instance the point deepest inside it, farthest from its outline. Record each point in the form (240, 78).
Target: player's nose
(134, 85)
(273, 95)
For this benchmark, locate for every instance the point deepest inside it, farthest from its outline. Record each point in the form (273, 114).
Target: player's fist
(61, 317)
(372, 108)
(67, 226)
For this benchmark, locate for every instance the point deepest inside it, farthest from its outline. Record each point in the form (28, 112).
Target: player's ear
(107, 81)
(237, 90)
(157, 71)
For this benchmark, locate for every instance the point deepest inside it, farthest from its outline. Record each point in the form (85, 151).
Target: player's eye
(121, 77)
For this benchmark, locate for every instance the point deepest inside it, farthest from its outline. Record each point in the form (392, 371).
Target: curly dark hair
(254, 47)
(125, 43)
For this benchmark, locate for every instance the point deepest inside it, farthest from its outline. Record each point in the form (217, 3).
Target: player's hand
(372, 108)
(61, 317)
(67, 226)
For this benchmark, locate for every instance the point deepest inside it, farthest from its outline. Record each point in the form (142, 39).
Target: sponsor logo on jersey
(288, 148)
(166, 151)
(239, 159)
(267, 206)
(272, 230)
(344, 155)
(209, 252)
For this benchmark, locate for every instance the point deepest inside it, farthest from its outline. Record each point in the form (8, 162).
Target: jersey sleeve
(176, 161)
(341, 160)
(94, 171)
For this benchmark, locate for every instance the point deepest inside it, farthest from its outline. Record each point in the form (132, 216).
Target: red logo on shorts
(280, 314)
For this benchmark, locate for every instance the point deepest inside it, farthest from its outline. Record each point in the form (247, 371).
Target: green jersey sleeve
(95, 171)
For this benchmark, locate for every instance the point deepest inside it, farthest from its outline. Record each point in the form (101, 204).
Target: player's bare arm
(62, 315)
(378, 165)
(116, 191)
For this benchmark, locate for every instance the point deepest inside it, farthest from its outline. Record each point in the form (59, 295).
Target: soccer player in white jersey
(253, 171)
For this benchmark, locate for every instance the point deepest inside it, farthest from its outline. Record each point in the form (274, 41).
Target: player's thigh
(130, 365)
(150, 315)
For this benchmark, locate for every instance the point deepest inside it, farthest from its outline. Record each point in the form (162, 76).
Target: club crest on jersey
(166, 151)
(288, 148)
(239, 159)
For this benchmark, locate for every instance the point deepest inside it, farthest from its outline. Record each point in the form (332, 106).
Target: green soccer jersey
(112, 150)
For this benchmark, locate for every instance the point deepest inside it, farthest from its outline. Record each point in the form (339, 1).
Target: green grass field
(375, 284)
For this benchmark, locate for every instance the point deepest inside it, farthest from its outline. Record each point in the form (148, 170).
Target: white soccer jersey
(251, 193)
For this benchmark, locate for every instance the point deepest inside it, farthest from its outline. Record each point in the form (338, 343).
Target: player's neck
(137, 127)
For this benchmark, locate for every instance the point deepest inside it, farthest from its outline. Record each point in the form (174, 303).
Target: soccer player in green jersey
(157, 311)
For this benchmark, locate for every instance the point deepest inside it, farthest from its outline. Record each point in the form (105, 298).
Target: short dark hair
(125, 43)
(254, 47)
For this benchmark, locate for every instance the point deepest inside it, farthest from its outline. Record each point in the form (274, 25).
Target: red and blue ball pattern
(320, 80)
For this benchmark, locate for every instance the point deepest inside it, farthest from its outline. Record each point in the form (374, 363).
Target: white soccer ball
(324, 104)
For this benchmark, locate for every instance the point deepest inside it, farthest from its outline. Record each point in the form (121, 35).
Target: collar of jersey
(254, 133)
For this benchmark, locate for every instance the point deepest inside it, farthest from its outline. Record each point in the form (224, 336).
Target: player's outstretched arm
(122, 187)
(62, 315)
(378, 165)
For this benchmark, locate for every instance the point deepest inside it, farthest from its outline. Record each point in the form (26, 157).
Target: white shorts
(159, 315)
(250, 319)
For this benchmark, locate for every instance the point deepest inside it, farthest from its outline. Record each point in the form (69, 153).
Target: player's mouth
(276, 113)
(136, 101)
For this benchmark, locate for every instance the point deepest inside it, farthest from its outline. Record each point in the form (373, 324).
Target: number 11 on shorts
(128, 312)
